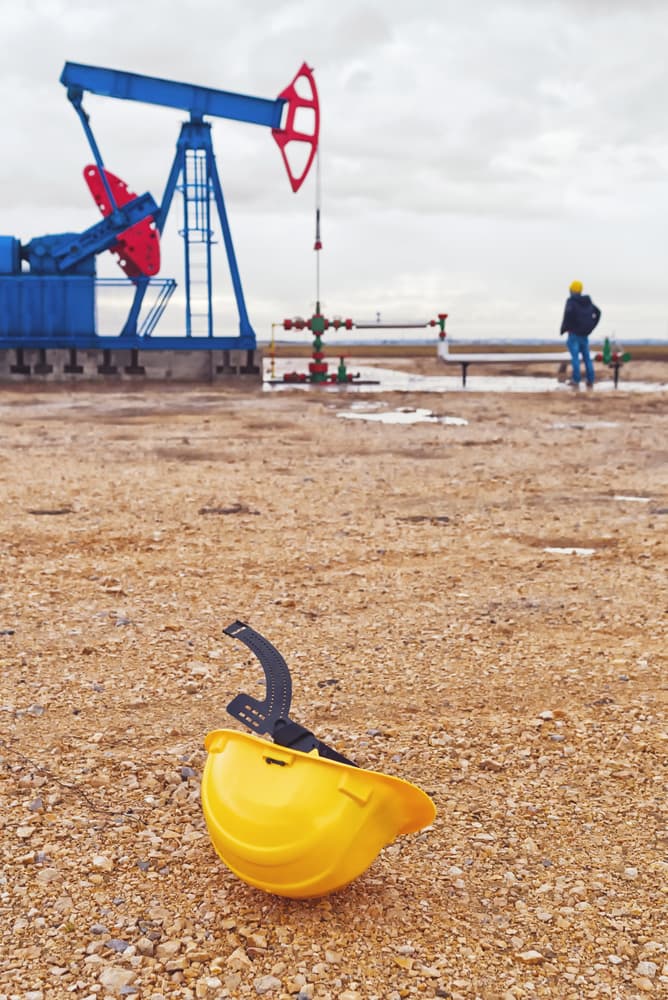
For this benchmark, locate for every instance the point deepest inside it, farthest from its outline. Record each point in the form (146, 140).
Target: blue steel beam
(104, 234)
(197, 100)
(51, 254)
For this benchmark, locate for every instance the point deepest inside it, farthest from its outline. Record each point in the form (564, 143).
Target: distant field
(644, 352)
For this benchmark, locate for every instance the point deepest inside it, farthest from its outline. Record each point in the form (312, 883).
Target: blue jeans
(579, 345)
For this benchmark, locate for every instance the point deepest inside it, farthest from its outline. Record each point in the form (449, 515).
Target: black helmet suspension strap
(272, 715)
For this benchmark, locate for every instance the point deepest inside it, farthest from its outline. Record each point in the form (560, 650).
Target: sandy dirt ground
(478, 607)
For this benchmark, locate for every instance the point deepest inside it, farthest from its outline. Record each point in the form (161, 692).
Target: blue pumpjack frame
(194, 149)
(194, 139)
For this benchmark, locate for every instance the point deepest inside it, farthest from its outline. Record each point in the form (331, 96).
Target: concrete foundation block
(19, 365)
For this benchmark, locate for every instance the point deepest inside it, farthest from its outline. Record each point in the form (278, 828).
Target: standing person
(580, 318)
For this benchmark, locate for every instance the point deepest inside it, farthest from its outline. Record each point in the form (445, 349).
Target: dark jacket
(580, 315)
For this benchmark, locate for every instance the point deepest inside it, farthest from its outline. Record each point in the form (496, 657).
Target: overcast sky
(475, 156)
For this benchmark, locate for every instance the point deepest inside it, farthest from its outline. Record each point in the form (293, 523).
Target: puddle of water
(454, 421)
(569, 550)
(583, 425)
(391, 380)
(365, 405)
(402, 416)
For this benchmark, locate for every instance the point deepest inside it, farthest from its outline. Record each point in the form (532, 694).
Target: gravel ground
(477, 607)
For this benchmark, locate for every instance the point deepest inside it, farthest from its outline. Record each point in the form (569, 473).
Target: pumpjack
(48, 286)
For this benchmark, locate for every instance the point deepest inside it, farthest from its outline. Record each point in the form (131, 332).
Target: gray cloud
(478, 154)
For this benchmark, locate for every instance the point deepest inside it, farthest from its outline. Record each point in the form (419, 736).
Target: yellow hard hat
(576, 286)
(296, 824)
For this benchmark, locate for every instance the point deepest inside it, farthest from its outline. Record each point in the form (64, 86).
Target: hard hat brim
(297, 824)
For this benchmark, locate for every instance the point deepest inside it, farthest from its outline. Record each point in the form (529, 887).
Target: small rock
(167, 950)
(490, 764)
(530, 957)
(102, 862)
(648, 969)
(48, 875)
(176, 964)
(145, 946)
(651, 948)
(255, 940)
(114, 978)
(263, 984)
(116, 944)
(238, 959)
(294, 984)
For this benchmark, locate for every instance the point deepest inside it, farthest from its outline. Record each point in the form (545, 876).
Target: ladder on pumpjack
(197, 234)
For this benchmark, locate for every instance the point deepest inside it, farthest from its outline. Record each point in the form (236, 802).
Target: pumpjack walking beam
(194, 171)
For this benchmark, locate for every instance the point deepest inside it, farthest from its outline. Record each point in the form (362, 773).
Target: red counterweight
(137, 248)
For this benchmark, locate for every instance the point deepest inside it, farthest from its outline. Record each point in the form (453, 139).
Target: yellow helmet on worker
(296, 824)
(576, 287)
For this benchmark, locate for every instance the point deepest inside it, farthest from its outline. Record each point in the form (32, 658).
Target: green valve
(607, 353)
